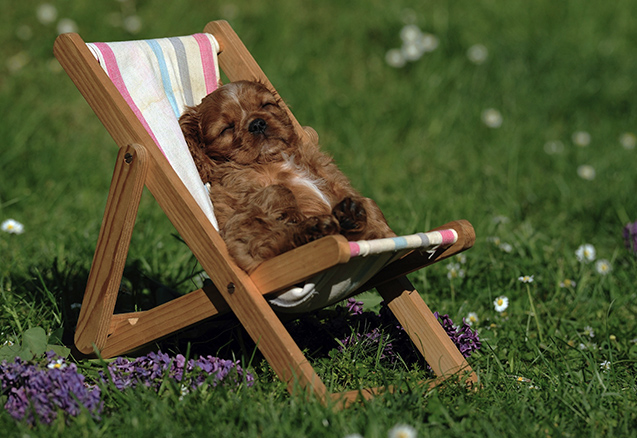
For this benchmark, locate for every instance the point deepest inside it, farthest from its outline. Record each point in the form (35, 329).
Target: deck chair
(138, 89)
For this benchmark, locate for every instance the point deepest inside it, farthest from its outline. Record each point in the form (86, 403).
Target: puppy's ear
(190, 126)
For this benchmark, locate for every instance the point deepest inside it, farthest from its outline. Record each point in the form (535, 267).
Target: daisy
(395, 58)
(428, 42)
(472, 318)
(501, 303)
(588, 331)
(477, 54)
(568, 283)
(132, 24)
(492, 118)
(581, 138)
(553, 147)
(66, 25)
(586, 171)
(57, 365)
(585, 253)
(46, 13)
(605, 365)
(506, 247)
(526, 279)
(603, 267)
(12, 226)
(628, 140)
(402, 431)
(410, 34)
(454, 271)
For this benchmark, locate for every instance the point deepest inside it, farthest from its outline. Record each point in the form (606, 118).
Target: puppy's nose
(257, 126)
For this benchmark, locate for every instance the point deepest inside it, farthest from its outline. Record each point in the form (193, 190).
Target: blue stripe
(165, 77)
(400, 242)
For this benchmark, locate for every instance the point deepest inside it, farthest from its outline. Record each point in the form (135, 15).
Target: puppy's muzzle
(257, 126)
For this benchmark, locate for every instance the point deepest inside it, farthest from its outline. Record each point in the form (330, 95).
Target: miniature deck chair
(138, 89)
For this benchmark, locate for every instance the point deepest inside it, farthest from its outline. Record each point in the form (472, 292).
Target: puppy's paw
(314, 228)
(351, 216)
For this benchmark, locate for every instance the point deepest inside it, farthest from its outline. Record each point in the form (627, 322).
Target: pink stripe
(447, 237)
(354, 249)
(116, 77)
(207, 62)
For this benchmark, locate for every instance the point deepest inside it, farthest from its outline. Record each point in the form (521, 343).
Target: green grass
(411, 138)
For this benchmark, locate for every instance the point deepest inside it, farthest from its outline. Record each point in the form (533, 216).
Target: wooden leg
(112, 248)
(424, 329)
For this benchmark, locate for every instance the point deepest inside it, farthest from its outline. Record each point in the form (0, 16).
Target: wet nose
(257, 126)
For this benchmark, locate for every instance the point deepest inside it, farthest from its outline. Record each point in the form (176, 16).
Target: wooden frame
(140, 163)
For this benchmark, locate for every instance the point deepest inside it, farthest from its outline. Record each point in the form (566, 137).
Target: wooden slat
(284, 271)
(423, 328)
(130, 330)
(112, 248)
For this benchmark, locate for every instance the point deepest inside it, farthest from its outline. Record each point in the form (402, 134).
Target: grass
(411, 138)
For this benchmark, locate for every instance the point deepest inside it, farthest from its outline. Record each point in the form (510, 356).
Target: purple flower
(151, 371)
(630, 237)
(37, 393)
(354, 307)
(465, 339)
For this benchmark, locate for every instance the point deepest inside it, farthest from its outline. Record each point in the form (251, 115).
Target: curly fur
(271, 191)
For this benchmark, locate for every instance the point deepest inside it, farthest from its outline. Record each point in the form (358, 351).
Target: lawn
(518, 116)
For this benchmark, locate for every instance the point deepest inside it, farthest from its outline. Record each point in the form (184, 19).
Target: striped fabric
(158, 79)
(429, 241)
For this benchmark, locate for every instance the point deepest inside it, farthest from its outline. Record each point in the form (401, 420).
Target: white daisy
(402, 431)
(477, 54)
(132, 24)
(12, 226)
(603, 267)
(492, 118)
(585, 253)
(588, 331)
(501, 303)
(553, 147)
(57, 364)
(568, 283)
(628, 140)
(46, 13)
(410, 34)
(455, 271)
(605, 365)
(472, 318)
(581, 138)
(586, 171)
(395, 58)
(526, 279)
(428, 42)
(66, 25)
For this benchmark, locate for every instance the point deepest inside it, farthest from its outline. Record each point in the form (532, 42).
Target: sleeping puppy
(271, 191)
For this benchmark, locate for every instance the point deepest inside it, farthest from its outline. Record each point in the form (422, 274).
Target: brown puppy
(271, 191)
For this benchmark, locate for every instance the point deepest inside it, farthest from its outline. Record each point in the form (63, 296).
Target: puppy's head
(240, 122)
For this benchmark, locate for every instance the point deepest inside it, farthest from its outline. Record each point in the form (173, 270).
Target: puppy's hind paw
(351, 216)
(314, 228)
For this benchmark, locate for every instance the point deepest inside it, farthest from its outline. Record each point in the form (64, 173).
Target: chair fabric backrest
(158, 78)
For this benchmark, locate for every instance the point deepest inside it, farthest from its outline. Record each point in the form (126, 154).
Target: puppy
(271, 191)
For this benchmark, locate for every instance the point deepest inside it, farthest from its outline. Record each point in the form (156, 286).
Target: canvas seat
(139, 89)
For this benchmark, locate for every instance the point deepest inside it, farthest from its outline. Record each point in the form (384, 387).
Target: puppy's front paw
(314, 228)
(351, 216)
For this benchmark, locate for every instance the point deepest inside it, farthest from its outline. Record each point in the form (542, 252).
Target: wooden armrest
(301, 263)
